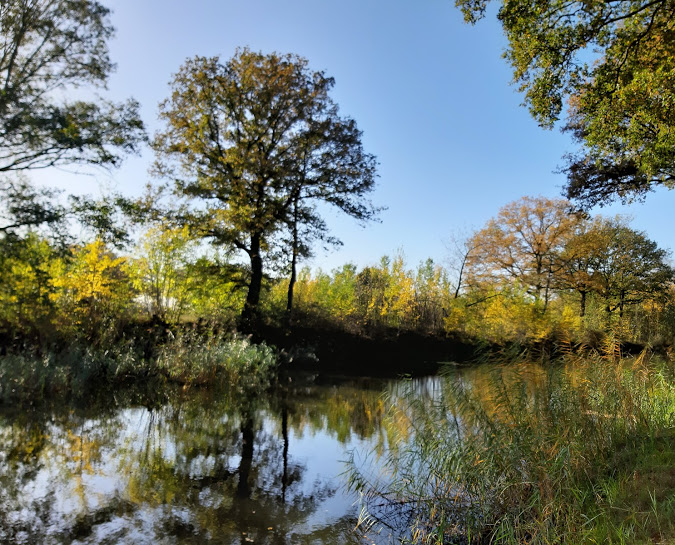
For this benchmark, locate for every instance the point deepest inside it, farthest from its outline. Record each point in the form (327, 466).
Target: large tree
(523, 244)
(257, 142)
(613, 61)
(628, 267)
(48, 49)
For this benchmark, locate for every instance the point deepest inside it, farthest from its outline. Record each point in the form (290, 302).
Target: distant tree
(48, 48)
(92, 288)
(580, 259)
(257, 142)
(614, 63)
(162, 273)
(459, 245)
(523, 244)
(630, 268)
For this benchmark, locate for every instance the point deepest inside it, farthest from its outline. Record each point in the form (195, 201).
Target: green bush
(192, 359)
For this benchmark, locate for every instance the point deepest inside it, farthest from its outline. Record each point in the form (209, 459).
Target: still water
(195, 466)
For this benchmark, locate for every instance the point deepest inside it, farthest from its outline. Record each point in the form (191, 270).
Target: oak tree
(523, 244)
(629, 268)
(613, 61)
(256, 142)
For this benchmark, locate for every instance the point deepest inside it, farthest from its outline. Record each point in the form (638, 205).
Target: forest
(552, 325)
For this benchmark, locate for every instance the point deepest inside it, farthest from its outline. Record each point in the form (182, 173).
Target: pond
(192, 466)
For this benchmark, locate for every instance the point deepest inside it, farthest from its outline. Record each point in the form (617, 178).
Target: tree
(26, 207)
(614, 61)
(93, 286)
(459, 246)
(257, 141)
(523, 243)
(48, 48)
(580, 259)
(630, 268)
(162, 273)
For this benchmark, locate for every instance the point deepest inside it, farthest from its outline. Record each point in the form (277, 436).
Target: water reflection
(197, 467)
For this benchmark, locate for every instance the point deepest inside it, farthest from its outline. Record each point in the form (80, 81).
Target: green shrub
(192, 359)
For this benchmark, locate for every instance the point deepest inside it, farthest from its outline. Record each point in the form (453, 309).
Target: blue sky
(431, 94)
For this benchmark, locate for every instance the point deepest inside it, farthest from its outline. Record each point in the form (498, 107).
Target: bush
(193, 359)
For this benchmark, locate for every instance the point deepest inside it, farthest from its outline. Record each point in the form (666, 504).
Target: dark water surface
(196, 466)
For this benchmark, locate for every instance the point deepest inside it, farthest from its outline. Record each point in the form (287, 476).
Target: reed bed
(580, 451)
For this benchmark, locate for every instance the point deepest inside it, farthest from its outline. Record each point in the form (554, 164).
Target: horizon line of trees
(251, 146)
(531, 272)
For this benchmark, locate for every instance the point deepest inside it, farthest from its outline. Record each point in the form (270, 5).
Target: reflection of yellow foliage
(83, 451)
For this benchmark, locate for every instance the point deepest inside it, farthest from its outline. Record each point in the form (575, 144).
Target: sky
(431, 94)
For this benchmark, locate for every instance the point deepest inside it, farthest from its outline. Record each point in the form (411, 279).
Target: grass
(196, 359)
(579, 452)
(186, 358)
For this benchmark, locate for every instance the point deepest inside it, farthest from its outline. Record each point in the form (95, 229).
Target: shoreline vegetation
(578, 452)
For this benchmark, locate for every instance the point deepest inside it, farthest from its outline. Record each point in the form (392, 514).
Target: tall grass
(188, 358)
(527, 454)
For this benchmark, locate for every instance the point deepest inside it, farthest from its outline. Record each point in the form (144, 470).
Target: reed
(578, 452)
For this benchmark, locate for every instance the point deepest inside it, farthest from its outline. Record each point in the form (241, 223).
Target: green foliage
(529, 455)
(614, 61)
(377, 297)
(50, 46)
(27, 267)
(26, 207)
(258, 141)
(195, 359)
(163, 272)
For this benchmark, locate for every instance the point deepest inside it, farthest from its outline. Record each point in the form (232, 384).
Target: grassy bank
(580, 452)
(186, 357)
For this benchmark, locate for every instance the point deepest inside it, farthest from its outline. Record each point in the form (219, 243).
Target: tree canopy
(257, 142)
(523, 244)
(48, 49)
(613, 62)
(543, 246)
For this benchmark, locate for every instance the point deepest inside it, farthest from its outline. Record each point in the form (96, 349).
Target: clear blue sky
(431, 94)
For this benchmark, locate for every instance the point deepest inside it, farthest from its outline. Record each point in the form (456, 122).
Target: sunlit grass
(193, 359)
(186, 358)
(579, 452)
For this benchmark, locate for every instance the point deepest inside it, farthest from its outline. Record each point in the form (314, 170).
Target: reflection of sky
(70, 487)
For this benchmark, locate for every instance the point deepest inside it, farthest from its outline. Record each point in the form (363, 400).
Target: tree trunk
(294, 262)
(249, 316)
(459, 279)
(582, 304)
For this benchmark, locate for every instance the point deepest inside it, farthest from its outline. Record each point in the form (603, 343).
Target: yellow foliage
(95, 283)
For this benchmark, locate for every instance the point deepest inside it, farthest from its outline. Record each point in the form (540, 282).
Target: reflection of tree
(355, 408)
(208, 466)
(215, 468)
(46, 458)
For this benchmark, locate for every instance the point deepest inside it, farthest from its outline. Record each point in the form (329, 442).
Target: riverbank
(198, 355)
(580, 452)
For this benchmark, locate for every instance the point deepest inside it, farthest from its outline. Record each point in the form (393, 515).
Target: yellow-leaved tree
(93, 288)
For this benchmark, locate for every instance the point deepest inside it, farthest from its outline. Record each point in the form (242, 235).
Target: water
(195, 466)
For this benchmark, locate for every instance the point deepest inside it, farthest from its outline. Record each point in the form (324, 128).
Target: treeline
(249, 151)
(535, 271)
